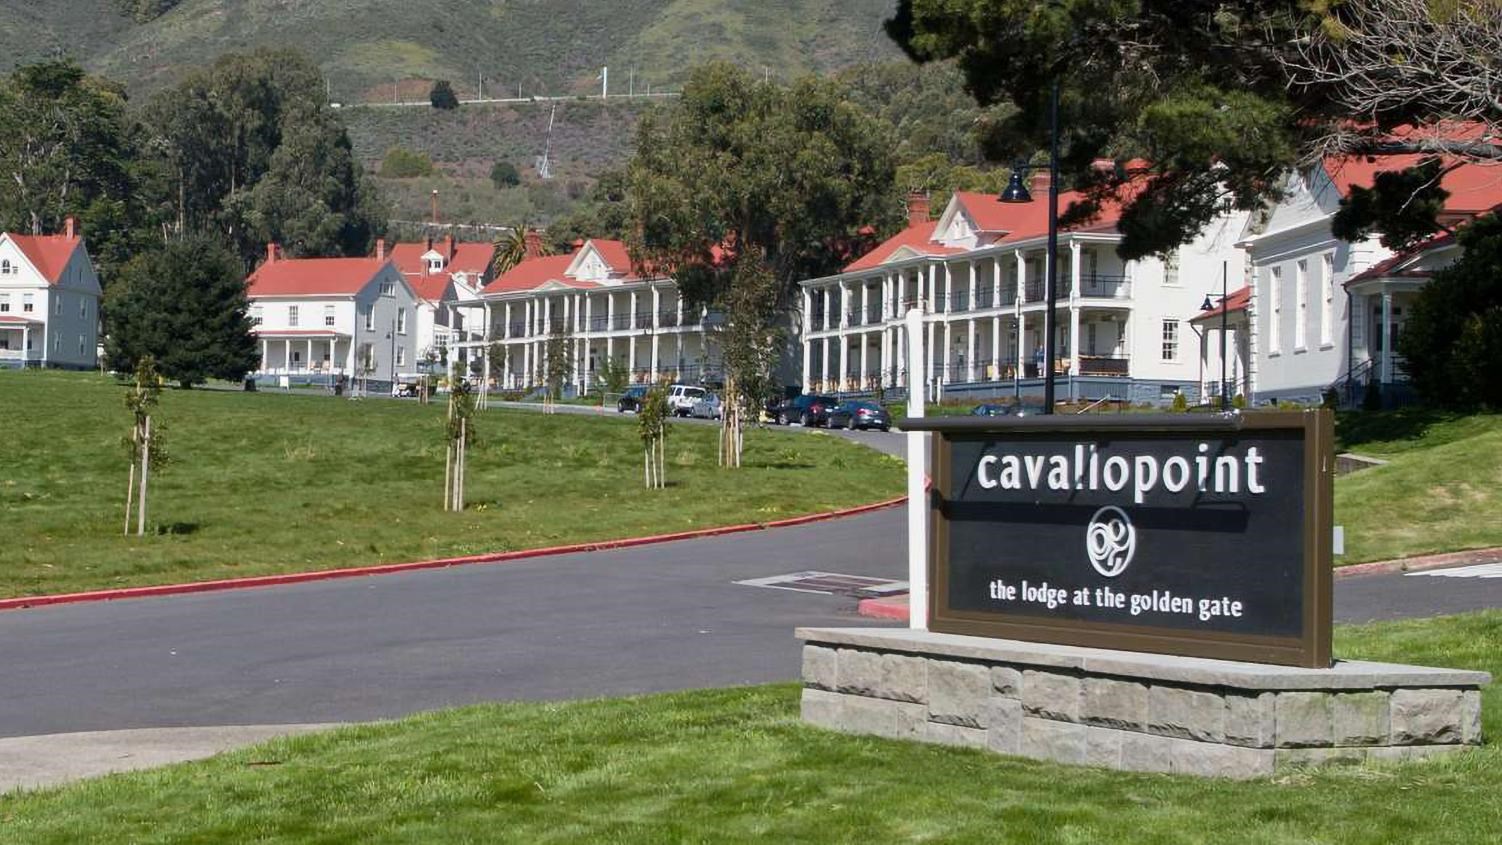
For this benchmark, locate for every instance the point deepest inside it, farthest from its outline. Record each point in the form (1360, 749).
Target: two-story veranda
(978, 272)
(594, 300)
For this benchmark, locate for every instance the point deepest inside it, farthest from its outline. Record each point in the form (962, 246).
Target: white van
(681, 398)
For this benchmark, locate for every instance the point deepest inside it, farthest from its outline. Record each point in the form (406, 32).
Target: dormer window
(435, 265)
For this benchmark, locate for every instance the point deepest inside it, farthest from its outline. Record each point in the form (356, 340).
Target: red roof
(536, 272)
(12, 318)
(918, 238)
(48, 253)
(1019, 222)
(313, 276)
(1236, 301)
(1393, 265)
(1474, 186)
(469, 257)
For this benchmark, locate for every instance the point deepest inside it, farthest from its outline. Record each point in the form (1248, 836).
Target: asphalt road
(603, 623)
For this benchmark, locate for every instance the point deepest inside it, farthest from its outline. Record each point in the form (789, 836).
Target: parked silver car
(707, 407)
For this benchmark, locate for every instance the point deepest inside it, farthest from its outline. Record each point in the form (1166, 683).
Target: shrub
(1371, 400)
(1238, 402)
(503, 174)
(442, 95)
(1180, 402)
(402, 163)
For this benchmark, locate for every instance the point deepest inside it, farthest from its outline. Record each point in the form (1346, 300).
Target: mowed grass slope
(737, 766)
(1441, 490)
(270, 482)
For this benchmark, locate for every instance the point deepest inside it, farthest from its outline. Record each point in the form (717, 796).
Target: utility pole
(482, 84)
(604, 82)
(631, 86)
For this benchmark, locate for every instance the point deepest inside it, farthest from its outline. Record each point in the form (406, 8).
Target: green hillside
(546, 46)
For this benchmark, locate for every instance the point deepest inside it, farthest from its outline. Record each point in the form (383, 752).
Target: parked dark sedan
(862, 415)
(809, 410)
(631, 400)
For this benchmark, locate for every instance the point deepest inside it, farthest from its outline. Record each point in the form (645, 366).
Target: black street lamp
(1017, 192)
(1225, 401)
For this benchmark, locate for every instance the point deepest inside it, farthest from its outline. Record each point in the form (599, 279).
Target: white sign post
(917, 495)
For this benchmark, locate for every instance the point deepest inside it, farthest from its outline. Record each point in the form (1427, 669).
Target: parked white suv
(681, 398)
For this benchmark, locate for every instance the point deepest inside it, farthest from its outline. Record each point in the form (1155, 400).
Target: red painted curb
(1423, 562)
(886, 607)
(441, 563)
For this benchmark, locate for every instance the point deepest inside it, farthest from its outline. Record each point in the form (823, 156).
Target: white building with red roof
(1324, 313)
(49, 301)
(319, 319)
(595, 297)
(447, 276)
(978, 273)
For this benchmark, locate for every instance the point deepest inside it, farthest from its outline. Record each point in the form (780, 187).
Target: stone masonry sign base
(1129, 710)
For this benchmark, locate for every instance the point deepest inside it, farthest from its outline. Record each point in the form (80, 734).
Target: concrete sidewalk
(28, 762)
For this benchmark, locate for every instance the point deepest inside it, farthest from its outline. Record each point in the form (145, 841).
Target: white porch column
(1386, 337)
(865, 302)
(996, 346)
(287, 355)
(656, 305)
(824, 363)
(655, 338)
(824, 292)
(900, 377)
(944, 367)
(527, 364)
(807, 359)
(1074, 310)
(948, 288)
(265, 355)
(844, 361)
(506, 329)
(1021, 343)
(309, 360)
(932, 295)
(995, 281)
(886, 338)
(807, 299)
(609, 311)
(631, 341)
(26, 344)
(1021, 283)
(865, 361)
(970, 352)
(928, 360)
(970, 300)
(610, 350)
(589, 314)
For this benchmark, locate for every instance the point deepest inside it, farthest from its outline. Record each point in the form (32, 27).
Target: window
(1300, 305)
(367, 357)
(27, 306)
(255, 315)
(1171, 269)
(292, 315)
(1275, 312)
(80, 344)
(370, 318)
(435, 265)
(7, 268)
(57, 341)
(328, 315)
(1327, 300)
(57, 305)
(1170, 340)
(1089, 339)
(388, 289)
(4, 303)
(401, 321)
(1358, 321)
(83, 306)
(401, 355)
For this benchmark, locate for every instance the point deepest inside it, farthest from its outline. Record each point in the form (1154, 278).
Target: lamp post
(1016, 192)
(1225, 401)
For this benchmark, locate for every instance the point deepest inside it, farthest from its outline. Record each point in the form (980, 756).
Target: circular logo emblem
(1110, 540)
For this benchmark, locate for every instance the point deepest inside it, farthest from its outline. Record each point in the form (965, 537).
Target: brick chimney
(533, 239)
(448, 249)
(271, 251)
(70, 227)
(380, 249)
(917, 208)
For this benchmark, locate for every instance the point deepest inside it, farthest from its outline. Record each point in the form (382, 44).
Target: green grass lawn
(279, 482)
(1441, 491)
(736, 766)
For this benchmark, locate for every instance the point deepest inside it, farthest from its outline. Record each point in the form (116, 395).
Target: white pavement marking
(28, 762)
(1481, 570)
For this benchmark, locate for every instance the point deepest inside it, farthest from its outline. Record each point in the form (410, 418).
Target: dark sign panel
(1206, 536)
